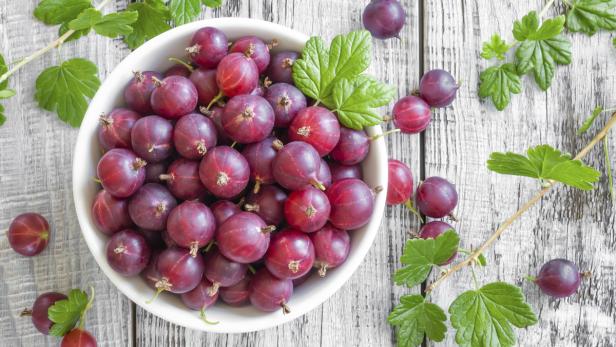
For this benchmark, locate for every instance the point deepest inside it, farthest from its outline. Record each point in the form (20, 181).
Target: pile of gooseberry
(220, 181)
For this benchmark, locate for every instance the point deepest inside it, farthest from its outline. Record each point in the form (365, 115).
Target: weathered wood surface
(36, 157)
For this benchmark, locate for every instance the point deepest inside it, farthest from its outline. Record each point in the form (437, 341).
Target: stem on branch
(477, 252)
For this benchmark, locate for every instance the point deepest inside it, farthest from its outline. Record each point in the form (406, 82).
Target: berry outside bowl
(153, 56)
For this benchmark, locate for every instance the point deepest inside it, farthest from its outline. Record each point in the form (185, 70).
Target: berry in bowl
(219, 185)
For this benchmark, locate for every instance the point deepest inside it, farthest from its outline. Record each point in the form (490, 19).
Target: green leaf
(485, 317)
(416, 318)
(74, 36)
(151, 21)
(541, 48)
(495, 48)
(498, 83)
(66, 89)
(111, 25)
(2, 116)
(212, 3)
(66, 313)
(54, 12)
(545, 163)
(353, 101)
(184, 11)
(614, 42)
(588, 16)
(481, 260)
(6, 93)
(421, 255)
(320, 68)
(590, 120)
(3, 70)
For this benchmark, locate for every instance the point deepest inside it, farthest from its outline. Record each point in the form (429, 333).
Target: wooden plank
(568, 223)
(356, 315)
(35, 175)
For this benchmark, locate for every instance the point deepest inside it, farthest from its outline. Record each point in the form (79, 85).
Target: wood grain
(568, 223)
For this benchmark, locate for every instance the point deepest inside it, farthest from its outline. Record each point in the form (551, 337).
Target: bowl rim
(83, 208)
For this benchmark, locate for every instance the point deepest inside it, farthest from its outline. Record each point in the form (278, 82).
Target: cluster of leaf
(67, 88)
(333, 76)
(539, 48)
(481, 317)
(65, 314)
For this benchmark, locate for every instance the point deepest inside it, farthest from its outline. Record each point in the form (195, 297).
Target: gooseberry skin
(193, 135)
(110, 214)
(154, 238)
(40, 308)
(121, 172)
(331, 248)
(352, 203)
(411, 114)
(223, 209)
(559, 278)
(307, 209)
(268, 204)
(237, 75)
(215, 115)
(280, 68)
(341, 171)
(243, 238)
(432, 230)
(287, 101)
(128, 252)
(78, 338)
(269, 293)
(317, 126)
(208, 47)
(139, 90)
(205, 83)
(115, 128)
(436, 197)
(174, 97)
(200, 297)
(248, 119)
(221, 271)
(400, 182)
(150, 274)
(438, 88)
(152, 138)
(290, 254)
(296, 166)
(384, 18)
(191, 225)
(237, 294)
(180, 272)
(149, 208)
(260, 156)
(224, 172)
(177, 70)
(28, 234)
(255, 48)
(154, 170)
(352, 148)
(183, 180)
(324, 175)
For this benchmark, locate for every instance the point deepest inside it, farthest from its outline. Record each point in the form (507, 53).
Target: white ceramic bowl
(153, 56)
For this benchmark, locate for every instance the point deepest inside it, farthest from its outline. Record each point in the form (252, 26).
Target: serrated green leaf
(111, 25)
(74, 36)
(54, 12)
(588, 16)
(498, 83)
(485, 317)
(6, 93)
(184, 11)
(353, 101)
(528, 28)
(309, 71)
(152, 21)
(2, 116)
(86, 19)
(66, 89)
(3, 69)
(419, 256)
(212, 3)
(416, 318)
(495, 48)
(66, 313)
(590, 120)
(545, 163)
